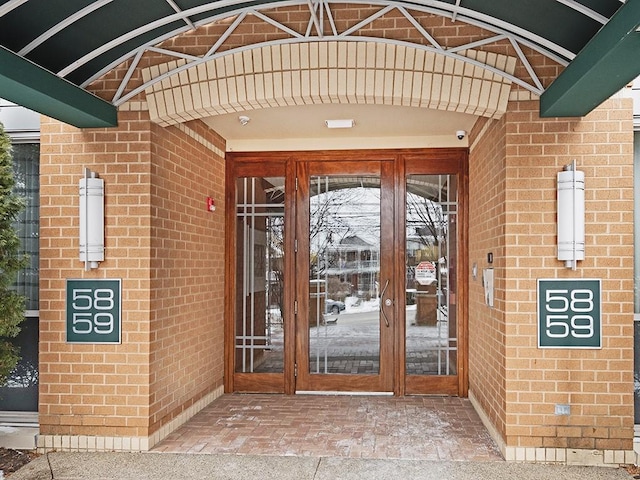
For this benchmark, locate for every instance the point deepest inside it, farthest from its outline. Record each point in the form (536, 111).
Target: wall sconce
(91, 220)
(570, 216)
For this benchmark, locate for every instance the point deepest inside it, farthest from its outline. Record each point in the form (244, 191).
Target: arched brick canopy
(351, 74)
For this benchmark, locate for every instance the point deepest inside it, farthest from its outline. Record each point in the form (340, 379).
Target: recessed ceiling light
(340, 123)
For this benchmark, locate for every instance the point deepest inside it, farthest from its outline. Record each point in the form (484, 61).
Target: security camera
(461, 134)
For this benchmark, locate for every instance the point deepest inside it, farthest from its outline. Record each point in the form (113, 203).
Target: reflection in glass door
(431, 255)
(344, 327)
(344, 242)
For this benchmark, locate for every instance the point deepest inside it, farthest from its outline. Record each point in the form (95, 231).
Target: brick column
(514, 163)
(168, 251)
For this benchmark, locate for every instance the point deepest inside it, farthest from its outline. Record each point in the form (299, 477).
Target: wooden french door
(347, 272)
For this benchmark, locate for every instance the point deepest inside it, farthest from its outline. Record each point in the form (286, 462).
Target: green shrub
(11, 261)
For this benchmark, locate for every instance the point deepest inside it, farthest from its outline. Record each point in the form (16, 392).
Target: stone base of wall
(561, 456)
(87, 443)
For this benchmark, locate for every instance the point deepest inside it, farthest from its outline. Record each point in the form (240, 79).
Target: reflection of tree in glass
(25, 173)
(335, 214)
(25, 374)
(429, 222)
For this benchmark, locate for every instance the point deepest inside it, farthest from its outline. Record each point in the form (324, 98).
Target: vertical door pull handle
(388, 302)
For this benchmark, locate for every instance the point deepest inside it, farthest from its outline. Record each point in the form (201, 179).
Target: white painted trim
(62, 25)
(515, 34)
(296, 37)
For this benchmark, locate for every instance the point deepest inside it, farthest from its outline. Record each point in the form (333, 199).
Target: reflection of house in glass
(415, 246)
(354, 262)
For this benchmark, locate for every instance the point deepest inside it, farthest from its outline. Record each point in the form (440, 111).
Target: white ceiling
(375, 126)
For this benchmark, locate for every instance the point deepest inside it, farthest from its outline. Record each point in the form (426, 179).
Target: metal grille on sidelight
(259, 334)
(431, 255)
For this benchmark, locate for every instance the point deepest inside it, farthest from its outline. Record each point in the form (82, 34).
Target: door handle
(388, 302)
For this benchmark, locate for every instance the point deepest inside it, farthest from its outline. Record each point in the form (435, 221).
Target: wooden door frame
(254, 165)
(452, 161)
(383, 381)
(436, 160)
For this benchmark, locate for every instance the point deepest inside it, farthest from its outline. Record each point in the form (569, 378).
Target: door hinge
(295, 369)
(296, 184)
(295, 246)
(295, 307)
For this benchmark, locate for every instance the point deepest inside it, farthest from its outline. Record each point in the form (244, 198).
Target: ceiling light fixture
(243, 120)
(340, 123)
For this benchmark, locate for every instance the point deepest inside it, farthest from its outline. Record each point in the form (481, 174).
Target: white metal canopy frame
(314, 33)
(75, 42)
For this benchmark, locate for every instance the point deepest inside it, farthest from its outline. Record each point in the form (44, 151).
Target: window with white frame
(19, 394)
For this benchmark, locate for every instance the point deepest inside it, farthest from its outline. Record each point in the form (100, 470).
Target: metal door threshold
(336, 392)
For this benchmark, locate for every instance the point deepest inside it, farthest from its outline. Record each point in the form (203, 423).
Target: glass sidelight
(260, 282)
(431, 255)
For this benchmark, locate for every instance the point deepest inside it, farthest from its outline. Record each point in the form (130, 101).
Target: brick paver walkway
(427, 428)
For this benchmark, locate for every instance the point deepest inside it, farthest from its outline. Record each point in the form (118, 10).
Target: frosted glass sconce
(91, 220)
(570, 216)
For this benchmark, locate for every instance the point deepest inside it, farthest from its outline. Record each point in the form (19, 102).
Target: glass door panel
(260, 282)
(344, 328)
(344, 286)
(431, 254)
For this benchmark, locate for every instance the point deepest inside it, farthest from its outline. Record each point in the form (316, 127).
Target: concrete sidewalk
(156, 466)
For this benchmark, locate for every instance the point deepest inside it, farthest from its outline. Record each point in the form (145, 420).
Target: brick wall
(596, 383)
(187, 269)
(487, 184)
(171, 350)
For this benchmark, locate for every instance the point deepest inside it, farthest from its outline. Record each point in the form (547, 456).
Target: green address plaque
(569, 313)
(93, 311)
